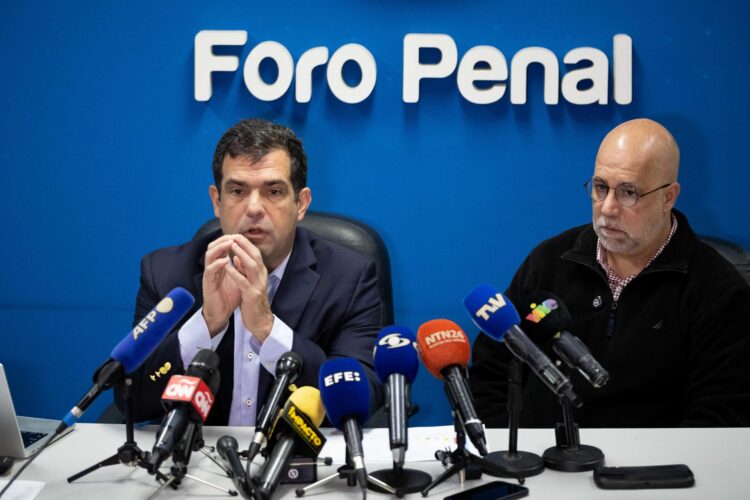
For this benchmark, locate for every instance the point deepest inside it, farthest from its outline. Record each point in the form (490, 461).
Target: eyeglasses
(625, 194)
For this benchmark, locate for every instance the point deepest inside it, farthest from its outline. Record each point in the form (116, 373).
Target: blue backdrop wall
(105, 153)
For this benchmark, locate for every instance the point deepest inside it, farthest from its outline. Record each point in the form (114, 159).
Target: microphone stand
(406, 480)
(191, 441)
(569, 455)
(466, 464)
(522, 462)
(349, 473)
(129, 453)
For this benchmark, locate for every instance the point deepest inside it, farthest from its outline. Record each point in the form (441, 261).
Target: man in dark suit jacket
(263, 286)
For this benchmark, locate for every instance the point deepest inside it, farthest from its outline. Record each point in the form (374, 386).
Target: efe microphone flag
(346, 396)
(345, 391)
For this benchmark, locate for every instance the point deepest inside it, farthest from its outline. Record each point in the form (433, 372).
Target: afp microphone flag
(133, 350)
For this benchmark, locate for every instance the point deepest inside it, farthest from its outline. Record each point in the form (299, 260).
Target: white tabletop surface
(719, 459)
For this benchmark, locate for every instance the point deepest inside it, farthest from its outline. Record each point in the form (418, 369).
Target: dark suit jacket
(328, 297)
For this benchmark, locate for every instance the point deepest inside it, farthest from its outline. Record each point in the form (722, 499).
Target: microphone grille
(345, 390)
(290, 363)
(491, 311)
(395, 352)
(307, 399)
(442, 343)
(543, 316)
(133, 350)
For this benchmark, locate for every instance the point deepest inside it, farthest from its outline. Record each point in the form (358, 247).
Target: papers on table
(21, 490)
(423, 443)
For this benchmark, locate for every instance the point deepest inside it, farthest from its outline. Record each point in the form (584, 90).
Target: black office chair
(352, 234)
(734, 253)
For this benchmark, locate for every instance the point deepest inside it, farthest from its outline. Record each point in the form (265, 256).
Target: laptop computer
(21, 436)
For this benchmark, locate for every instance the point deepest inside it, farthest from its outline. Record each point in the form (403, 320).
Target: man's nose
(254, 204)
(610, 207)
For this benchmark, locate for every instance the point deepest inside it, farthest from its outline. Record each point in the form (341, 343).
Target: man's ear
(304, 198)
(670, 197)
(215, 195)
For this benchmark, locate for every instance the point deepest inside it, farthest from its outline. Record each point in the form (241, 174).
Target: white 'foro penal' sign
(483, 63)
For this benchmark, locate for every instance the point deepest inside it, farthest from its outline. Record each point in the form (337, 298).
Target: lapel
(198, 277)
(299, 281)
(292, 296)
(225, 350)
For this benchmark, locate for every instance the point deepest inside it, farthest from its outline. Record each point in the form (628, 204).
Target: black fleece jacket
(676, 343)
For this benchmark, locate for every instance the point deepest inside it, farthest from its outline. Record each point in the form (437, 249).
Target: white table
(719, 459)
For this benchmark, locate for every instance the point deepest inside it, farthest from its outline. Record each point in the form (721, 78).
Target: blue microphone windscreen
(396, 352)
(344, 390)
(133, 350)
(491, 311)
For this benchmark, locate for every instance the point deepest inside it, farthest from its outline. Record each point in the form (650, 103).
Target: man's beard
(626, 244)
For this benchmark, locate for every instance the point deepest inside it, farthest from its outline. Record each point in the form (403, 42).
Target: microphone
(496, 316)
(445, 352)
(547, 321)
(346, 396)
(133, 350)
(288, 368)
(228, 450)
(188, 398)
(295, 432)
(396, 363)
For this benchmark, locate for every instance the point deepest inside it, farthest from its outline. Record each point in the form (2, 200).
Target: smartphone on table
(495, 490)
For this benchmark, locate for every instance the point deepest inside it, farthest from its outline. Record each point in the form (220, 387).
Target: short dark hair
(255, 138)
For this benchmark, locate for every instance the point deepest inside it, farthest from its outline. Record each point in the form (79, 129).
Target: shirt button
(249, 402)
(250, 355)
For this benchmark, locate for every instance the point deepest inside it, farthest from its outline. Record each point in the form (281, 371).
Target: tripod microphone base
(405, 480)
(519, 463)
(352, 477)
(573, 459)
